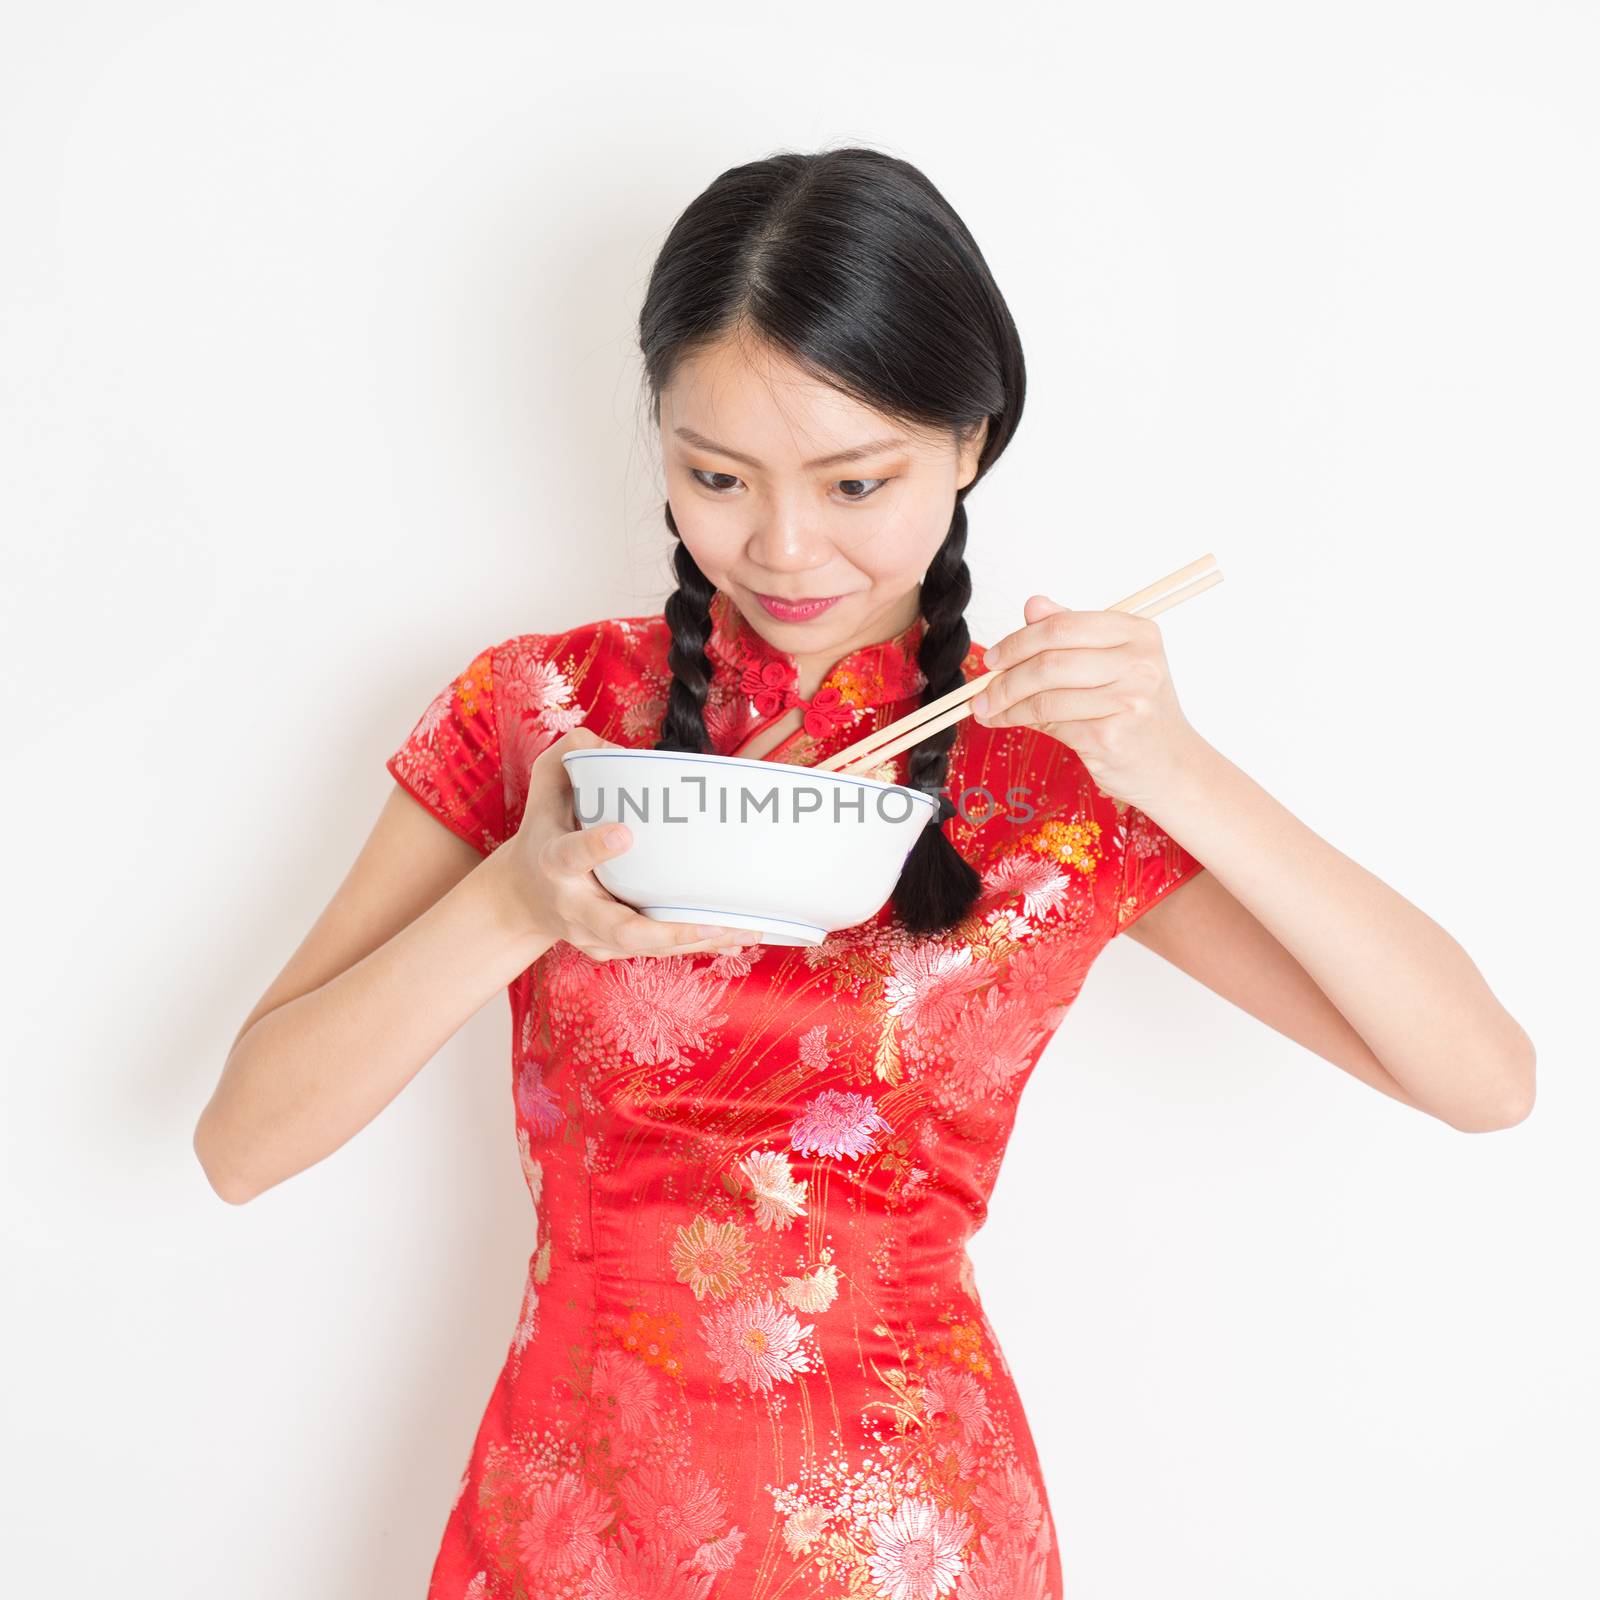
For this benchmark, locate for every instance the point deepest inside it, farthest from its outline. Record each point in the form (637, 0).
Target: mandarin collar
(875, 674)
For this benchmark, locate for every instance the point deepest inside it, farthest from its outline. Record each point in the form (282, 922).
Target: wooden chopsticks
(877, 747)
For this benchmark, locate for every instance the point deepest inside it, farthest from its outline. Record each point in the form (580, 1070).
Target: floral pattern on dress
(751, 1359)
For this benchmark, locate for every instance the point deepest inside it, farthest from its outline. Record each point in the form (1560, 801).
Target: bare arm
(1292, 930)
(1203, 931)
(1281, 922)
(420, 934)
(364, 1003)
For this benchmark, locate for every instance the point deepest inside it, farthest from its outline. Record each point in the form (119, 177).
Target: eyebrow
(858, 452)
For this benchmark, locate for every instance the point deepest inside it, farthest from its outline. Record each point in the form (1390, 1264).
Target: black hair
(850, 263)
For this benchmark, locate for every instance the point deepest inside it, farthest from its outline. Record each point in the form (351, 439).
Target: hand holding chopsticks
(879, 746)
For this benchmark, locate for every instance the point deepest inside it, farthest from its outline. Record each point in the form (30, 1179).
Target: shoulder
(584, 665)
(585, 648)
(607, 674)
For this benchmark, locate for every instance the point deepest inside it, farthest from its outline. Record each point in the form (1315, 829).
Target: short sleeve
(1153, 864)
(450, 762)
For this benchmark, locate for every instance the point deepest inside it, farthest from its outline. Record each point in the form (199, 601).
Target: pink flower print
(734, 962)
(814, 1048)
(568, 974)
(718, 1555)
(535, 1101)
(816, 1291)
(950, 1392)
(777, 1198)
(532, 1169)
(624, 1388)
(1004, 1570)
(1011, 1504)
(528, 1317)
(641, 722)
(523, 740)
(802, 1528)
(991, 1043)
(918, 1554)
(635, 1569)
(655, 1010)
(1039, 881)
(438, 707)
(1044, 978)
(561, 1532)
(757, 1342)
(677, 1509)
(928, 984)
(724, 716)
(1006, 925)
(535, 707)
(711, 1257)
(837, 1124)
(531, 685)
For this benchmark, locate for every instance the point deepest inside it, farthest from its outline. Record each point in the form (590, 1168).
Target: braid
(937, 886)
(688, 613)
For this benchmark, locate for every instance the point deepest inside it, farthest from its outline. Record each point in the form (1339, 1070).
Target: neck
(814, 667)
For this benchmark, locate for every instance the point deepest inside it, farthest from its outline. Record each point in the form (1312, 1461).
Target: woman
(751, 1359)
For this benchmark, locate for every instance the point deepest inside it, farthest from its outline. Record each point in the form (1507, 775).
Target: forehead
(754, 398)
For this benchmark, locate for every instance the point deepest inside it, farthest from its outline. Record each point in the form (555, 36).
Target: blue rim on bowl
(748, 761)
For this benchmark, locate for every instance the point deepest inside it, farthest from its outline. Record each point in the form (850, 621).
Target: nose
(785, 540)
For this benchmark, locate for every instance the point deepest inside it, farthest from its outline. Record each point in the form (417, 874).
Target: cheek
(711, 535)
(895, 549)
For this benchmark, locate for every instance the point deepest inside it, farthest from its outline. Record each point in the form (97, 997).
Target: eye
(700, 478)
(853, 489)
(875, 485)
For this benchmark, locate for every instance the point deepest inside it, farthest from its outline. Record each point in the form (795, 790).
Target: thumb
(1039, 606)
(582, 850)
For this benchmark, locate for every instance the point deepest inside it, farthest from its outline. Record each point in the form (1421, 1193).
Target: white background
(317, 375)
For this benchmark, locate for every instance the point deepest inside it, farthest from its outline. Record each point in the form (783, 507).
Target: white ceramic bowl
(788, 852)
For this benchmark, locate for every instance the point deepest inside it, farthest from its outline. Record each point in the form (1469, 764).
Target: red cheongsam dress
(751, 1361)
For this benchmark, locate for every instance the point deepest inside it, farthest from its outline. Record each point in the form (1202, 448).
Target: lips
(796, 610)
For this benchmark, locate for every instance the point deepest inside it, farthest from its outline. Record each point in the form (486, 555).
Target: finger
(704, 947)
(627, 930)
(582, 850)
(619, 922)
(1076, 667)
(1039, 606)
(1060, 628)
(696, 947)
(1048, 707)
(1014, 646)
